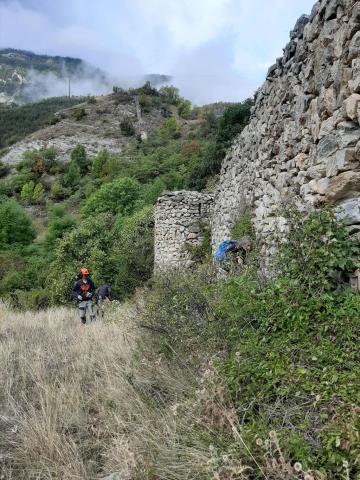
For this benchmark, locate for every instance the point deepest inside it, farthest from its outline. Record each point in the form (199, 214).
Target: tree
(98, 164)
(57, 191)
(38, 193)
(78, 155)
(170, 94)
(184, 109)
(170, 129)
(127, 128)
(117, 197)
(72, 176)
(15, 224)
(59, 223)
(27, 191)
(134, 251)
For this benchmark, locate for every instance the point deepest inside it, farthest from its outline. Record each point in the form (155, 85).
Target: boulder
(349, 211)
(354, 47)
(345, 185)
(351, 105)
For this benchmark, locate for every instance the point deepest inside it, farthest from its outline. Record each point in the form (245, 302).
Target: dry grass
(87, 402)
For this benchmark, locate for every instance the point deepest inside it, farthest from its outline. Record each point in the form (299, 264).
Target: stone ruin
(302, 143)
(180, 218)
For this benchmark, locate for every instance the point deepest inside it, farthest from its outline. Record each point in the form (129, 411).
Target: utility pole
(69, 89)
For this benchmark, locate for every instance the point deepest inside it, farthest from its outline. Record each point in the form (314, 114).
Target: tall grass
(86, 402)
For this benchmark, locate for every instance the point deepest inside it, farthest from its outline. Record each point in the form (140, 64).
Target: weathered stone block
(345, 185)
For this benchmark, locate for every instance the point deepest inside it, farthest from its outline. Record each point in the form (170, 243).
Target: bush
(88, 244)
(78, 155)
(16, 227)
(98, 164)
(79, 113)
(59, 222)
(133, 253)
(127, 127)
(117, 197)
(27, 191)
(170, 129)
(4, 170)
(72, 176)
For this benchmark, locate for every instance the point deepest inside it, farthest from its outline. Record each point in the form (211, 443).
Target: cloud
(216, 49)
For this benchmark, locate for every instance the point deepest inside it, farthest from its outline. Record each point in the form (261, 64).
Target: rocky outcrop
(302, 143)
(180, 218)
(99, 129)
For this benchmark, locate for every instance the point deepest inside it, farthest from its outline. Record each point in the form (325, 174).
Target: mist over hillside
(26, 76)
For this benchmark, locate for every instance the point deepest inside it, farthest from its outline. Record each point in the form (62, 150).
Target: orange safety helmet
(84, 271)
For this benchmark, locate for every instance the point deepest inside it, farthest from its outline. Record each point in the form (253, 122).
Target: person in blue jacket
(232, 252)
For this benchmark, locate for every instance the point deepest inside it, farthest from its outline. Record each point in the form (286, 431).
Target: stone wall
(179, 220)
(303, 139)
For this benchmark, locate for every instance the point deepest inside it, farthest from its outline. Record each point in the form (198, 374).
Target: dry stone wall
(303, 139)
(180, 218)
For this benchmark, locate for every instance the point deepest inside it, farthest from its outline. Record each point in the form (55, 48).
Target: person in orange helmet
(83, 291)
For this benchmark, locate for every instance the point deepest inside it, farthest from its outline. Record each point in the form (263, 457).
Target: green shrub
(117, 197)
(127, 127)
(133, 252)
(59, 222)
(98, 164)
(16, 227)
(72, 175)
(170, 129)
(79, 113)
(184, 109)
(88, 244)
(38, 193)
(4, 170)
(27, 191)
(78, 155)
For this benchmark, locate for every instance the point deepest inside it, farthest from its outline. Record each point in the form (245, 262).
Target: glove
(79, 297)
(88, 295)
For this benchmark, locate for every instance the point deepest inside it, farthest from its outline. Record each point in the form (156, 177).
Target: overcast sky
(215, 49)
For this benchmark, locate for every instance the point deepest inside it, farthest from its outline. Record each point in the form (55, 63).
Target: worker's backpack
(224, 247)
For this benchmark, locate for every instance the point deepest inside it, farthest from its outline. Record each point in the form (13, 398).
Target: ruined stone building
(302, 142)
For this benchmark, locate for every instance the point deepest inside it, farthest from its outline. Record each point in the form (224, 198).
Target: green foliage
(117, 197)
(18, 121)
(170, 95)
(16, 227)
(72, 176)
(59, 222)
(201, 253)
(57, 191)
(234, 119)
(79, 113)
(184, 109)
(98, 164)
(243, 227)
(38, 193)
(170, 129)
(27, 191)
(4, 169)
(127, 127)
(87, 244)
(288, 345)
(133, 252)
(78, 155)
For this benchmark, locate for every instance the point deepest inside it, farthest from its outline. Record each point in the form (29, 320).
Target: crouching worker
(103, 293)
(231, 255)
(83, 291)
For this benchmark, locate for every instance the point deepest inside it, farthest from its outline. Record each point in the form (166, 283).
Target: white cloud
(218, 49)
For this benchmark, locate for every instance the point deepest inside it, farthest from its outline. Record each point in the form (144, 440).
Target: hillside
(26, 76)
(93, 176)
